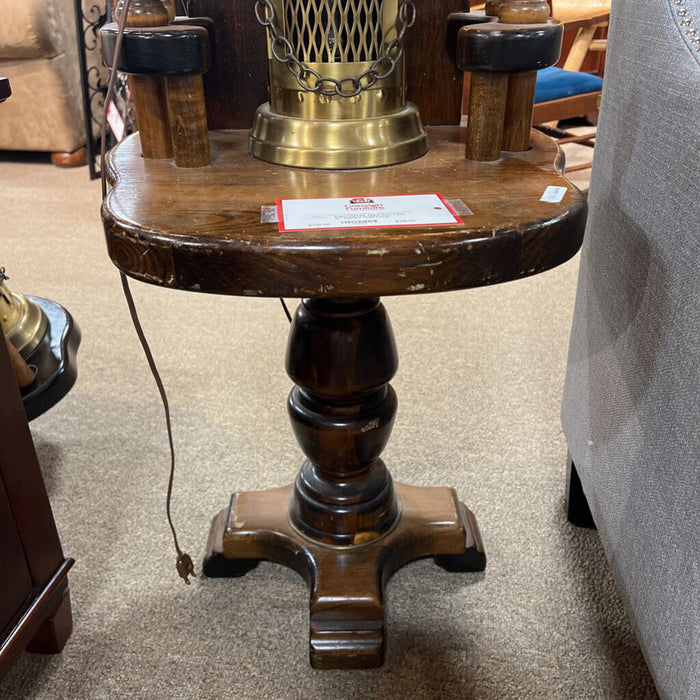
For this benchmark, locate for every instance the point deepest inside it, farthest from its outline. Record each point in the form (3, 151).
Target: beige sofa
(39, 54)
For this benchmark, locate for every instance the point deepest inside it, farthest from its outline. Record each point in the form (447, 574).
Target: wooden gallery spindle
(521, 86)
(495, 52)
(487, 109)
(176, 55)
(148, 91)
(188, 120)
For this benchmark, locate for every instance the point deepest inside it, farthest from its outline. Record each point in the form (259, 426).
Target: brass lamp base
(342, 144)
(23, 321)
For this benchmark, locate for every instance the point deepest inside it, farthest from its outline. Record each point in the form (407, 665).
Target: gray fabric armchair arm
(631, 409)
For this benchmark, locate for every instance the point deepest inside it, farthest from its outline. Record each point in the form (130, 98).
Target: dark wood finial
(492, 6)
(522, 11)
(143, 13)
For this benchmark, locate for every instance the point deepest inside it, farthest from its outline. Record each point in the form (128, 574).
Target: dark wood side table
(343, 525)
(35, 611)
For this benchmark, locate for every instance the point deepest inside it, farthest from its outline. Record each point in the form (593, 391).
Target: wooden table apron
(343, 525)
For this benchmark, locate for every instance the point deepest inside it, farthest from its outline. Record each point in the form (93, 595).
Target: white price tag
(402, 210)
(554, 194)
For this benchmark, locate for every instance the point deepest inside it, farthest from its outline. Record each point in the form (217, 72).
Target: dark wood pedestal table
(343, 525)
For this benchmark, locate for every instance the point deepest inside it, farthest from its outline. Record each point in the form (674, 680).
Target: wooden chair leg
(580, 48)
(578, 511)
(75, 159)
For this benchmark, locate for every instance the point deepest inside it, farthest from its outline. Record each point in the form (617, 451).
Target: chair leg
(577, 510)
(75, 159)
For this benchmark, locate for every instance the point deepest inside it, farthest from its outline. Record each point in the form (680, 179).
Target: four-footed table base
(347, 582)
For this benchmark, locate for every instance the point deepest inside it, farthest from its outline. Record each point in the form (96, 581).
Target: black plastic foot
(218, 566)
(471, 560)
(578, 511)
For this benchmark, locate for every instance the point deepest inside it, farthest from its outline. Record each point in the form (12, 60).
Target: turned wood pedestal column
(343, 525)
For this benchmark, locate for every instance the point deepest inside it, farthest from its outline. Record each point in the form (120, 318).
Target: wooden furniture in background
(343, 524)
(35, 611)
(570, 93)
(580, 96)
(585, 23)
(581, 104)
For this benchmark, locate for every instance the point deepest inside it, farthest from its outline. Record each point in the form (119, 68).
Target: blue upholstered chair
(563, 94)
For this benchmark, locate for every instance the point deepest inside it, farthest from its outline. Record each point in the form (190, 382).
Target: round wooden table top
(200, 229)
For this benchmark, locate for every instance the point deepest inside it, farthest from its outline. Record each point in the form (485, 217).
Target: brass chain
(311, 80)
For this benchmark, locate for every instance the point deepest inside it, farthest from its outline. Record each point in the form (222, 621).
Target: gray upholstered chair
(631, 410)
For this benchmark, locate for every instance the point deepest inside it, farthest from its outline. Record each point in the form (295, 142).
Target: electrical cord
(183, 563)
(286, 310)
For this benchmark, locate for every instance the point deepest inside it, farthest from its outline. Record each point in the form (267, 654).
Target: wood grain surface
(433, 82)
(200, 229)
(148, 91)
(24, 374)
(346, 610)
(188, 120)
(32, 566)
(521, 86)
(487, 109)
(237, 81)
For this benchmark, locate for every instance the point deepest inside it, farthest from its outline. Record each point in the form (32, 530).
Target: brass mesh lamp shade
(337, 92)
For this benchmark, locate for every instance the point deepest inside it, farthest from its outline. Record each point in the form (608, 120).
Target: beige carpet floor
(479, 387)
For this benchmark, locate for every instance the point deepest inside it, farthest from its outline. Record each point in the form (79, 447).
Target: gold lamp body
(337, 97)
(22, 321)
